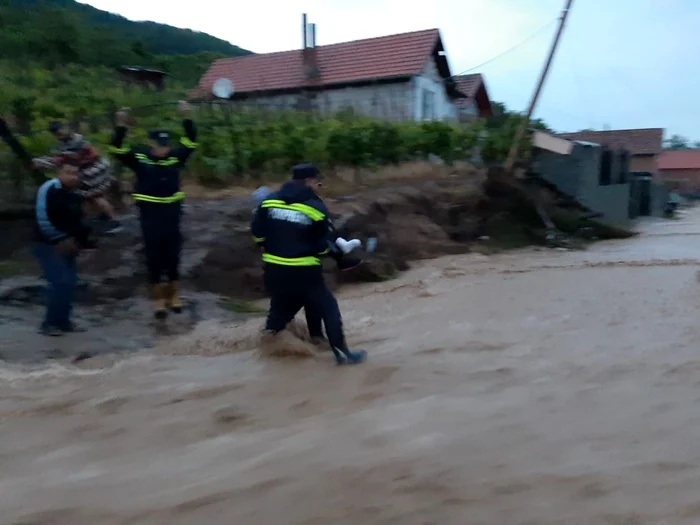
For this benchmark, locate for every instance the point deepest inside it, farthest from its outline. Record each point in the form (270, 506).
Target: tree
(676, 142)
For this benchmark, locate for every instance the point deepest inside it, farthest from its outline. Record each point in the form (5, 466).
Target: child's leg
(105, 207)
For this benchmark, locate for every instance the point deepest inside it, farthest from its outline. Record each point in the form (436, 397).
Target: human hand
(122, 116)
(67, 247)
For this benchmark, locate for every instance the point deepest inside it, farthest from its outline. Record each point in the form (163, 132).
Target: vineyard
(236, 140)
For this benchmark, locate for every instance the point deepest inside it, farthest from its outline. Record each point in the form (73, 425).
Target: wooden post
(520, 133)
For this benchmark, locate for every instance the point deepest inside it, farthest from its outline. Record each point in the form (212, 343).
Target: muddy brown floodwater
(529, 388)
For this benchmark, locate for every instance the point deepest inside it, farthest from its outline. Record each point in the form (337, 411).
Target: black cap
(160, 137)
(55, 126)
(305, 171)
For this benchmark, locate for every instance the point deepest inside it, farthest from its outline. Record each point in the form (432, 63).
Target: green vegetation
(60, 59)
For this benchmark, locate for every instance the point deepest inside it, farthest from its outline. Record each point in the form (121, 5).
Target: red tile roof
(679, 160)
(469, 84)
(374, 58)
(636, 141)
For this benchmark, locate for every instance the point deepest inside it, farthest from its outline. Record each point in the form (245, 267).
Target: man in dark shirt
(60, 235)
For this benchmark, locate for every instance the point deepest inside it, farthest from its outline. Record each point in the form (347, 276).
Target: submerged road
(527, 388)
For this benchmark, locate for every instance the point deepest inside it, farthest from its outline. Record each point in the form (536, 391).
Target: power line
(493, 59)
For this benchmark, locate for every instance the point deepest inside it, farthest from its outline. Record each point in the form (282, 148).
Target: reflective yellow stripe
(160, 200)
(297, 261)
(324, 252)
(309, 211)
(259, 239)
(119, 151)
(170, 161)
(188, 143)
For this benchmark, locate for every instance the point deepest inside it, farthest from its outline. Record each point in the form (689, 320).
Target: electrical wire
(507, 51)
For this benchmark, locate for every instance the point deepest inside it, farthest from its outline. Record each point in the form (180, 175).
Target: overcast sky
(621, 63)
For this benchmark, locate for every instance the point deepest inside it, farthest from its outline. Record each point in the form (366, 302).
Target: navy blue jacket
(59, 215)
(157, 179)
(293, 226)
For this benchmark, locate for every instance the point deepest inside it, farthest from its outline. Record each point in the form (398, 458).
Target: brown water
(532, 388)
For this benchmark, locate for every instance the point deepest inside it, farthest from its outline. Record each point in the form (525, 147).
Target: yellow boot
(158, 296)
(172, 298)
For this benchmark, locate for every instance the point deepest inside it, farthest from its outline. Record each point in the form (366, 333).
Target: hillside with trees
(54, 32)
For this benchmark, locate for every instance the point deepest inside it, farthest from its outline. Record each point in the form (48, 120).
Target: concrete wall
(612, 201)
(578, 175)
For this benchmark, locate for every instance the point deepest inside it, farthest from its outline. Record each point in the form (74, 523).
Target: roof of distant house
(469, 84)
(385, 57)
(680, 159)
(636, 141)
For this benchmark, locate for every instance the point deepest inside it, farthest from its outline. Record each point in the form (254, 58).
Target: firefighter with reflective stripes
(159, 198)
(294, 230)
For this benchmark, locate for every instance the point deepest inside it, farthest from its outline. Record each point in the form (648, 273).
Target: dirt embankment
(411, 221)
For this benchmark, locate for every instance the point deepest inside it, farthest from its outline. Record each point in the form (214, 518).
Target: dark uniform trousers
(292, 288)
(162, 238)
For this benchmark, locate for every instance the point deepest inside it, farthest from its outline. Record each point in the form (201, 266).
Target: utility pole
(513, 153)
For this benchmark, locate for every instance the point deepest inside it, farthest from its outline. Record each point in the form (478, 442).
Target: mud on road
(525, 388)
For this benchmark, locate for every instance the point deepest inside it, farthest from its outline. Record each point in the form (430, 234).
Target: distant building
(644, 145)
(144, 77)
(680, 170)
(599, 176)
(397, 77)
(476, 102)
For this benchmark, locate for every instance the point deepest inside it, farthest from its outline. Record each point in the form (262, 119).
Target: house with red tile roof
(396, 77)
(476, 102)
(680, 170)
(644, 145)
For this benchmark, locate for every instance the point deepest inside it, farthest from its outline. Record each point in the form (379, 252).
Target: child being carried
(95, 171)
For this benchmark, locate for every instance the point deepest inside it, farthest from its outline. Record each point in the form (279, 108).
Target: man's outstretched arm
(188, 143)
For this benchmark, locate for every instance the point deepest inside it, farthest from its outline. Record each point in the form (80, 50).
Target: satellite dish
(222, 88)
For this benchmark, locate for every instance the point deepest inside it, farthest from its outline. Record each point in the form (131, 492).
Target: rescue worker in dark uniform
(159, 199)
(314, 320)
(294, 230)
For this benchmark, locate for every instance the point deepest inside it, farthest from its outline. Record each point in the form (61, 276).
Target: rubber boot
(172, 297)
(349, 357)
(158, 295)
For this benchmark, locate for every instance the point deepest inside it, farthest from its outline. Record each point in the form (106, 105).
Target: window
(428, 106)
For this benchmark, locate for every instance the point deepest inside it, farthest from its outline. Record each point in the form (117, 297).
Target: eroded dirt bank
(526, 388)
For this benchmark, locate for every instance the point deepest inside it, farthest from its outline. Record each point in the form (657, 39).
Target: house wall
(467, 111)
(687, 181)
(384, 101)
(432, 84)
(643, 163)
